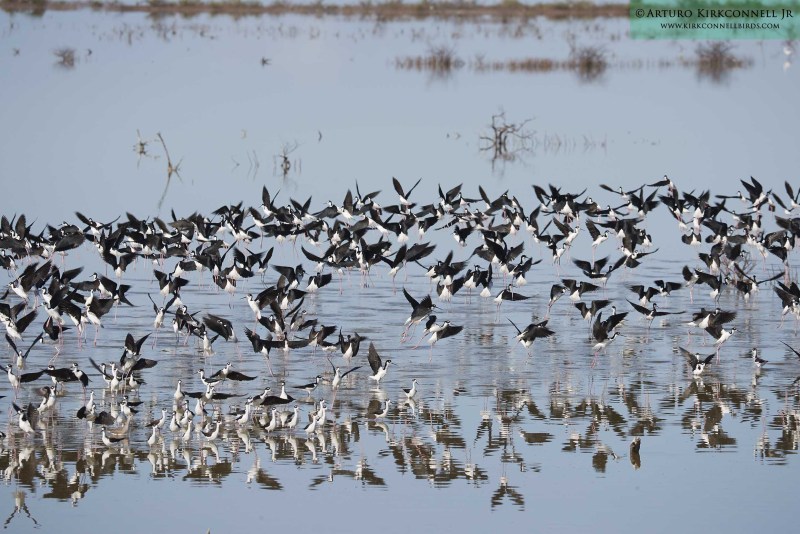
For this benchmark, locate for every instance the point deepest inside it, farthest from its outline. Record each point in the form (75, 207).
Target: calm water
(493, 432)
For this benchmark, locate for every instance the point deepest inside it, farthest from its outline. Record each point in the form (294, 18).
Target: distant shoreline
(391, 10)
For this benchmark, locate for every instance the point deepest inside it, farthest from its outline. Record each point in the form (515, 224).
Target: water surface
(495, 432)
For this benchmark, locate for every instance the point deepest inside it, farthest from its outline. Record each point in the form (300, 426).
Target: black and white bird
(531, 333)
(720, 334)
(338, 376)
(757, 360)
(446, 330)
(379, 368)
(651, 313)
(108, 440)
(227, 373)
(379, 412)
(602, 331)
(22, 357)
(27, 418)
(696, 361)
(311, 386)
(412, 391)
(17, 380)
(419, 311)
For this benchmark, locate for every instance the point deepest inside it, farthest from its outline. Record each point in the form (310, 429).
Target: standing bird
(17, 380)
(412, 391)
(696, 361)
(757, 360)
(377, 412)
(311, 386)
(378, 368)
(22, 357)
(338, 375)
(110, 441)
(27, 418)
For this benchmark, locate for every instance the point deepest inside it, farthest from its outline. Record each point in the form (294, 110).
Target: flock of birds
(47, 304)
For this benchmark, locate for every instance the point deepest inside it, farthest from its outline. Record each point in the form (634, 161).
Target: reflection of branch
(171, 169)
(140, 148)
(283, 158)
(163, 195)
(508, 140)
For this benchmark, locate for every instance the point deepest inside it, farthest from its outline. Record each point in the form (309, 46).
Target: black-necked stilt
(273, 421)
(293, 419)
(311, 386)
(556, 292)
(508, 294)
(133, 347)
(311, 427)
(227, 373)
(419, 311)
(444, 331)
(22, 357)
(220, 326)
(27, 419)
(720, 334)
(379, 412)
(212, 435)
(378, 368)
(644, 293)
(243, 418)
(110, 441)
(601, 331)
(576, 290)
(711, 318)
(160, 312)
(651, 313)
(153, 439)
(87, 408)
(595, 270)
(412, 391)
(16, 327)
(531, 333)
(588, 312)
(159, 423)
(16, 380)
(350, 345)
(757, 360)
(211, 381)
(696, 361)
(338, 376)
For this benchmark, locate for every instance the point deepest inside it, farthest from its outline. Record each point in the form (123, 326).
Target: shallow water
(494, 431)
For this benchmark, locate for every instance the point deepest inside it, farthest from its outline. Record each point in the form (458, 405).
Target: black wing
(349, 371)
(791, 349)
(373, 358)
(411, 300)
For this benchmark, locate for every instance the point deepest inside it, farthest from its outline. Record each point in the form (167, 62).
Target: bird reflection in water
(20, 506)
(507, 491)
